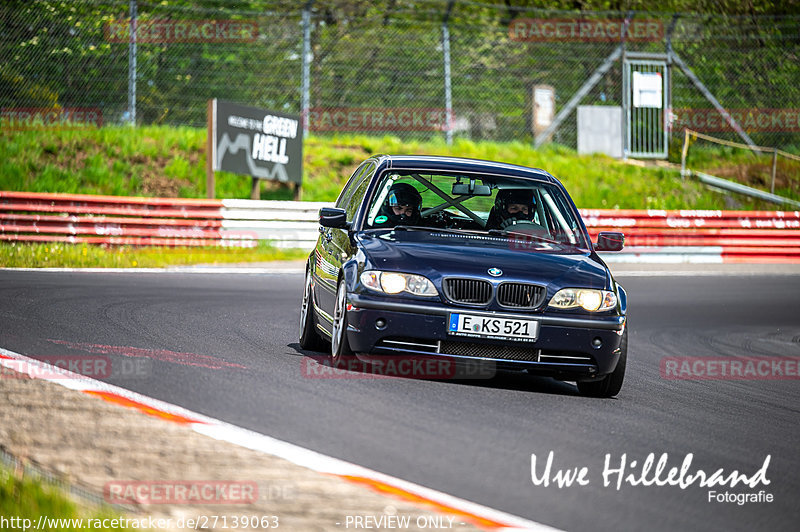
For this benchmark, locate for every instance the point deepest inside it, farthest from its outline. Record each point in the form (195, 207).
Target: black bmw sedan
(464, 260)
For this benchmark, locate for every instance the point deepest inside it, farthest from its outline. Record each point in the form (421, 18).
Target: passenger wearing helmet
(510, 207)
(401, 207)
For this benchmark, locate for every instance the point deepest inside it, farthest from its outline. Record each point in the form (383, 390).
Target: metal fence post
(305, 89)
(132, 65)
(448, 95)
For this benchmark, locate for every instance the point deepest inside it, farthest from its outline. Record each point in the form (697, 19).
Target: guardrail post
(774, 168)
(684, 151)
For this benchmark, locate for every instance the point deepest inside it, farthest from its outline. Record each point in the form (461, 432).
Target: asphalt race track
(225, 345)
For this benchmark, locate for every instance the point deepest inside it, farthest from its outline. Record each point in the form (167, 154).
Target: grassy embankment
(166, 161)
(170, 162)
(24, 499)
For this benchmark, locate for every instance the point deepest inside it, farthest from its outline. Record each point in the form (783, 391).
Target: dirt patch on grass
(759, 175)
(159, 185)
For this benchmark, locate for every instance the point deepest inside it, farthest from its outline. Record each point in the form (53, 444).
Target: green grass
(170, 161)
(26, 498)
(56, 255)
(746, 167)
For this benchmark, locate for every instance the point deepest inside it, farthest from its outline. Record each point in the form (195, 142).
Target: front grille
(468, 291)
(504, 352)
(520, 295)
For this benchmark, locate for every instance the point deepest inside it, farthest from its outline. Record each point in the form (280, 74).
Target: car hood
(438, 255)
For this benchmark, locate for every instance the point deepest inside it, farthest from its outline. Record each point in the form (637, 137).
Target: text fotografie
(650, 472)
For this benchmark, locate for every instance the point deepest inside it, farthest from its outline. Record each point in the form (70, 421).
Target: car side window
(362, 183)
(347, 192)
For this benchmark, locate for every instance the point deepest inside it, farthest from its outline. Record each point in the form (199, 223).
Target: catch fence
(421, 69)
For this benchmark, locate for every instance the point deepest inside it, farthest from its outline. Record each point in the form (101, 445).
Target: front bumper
(565, 347)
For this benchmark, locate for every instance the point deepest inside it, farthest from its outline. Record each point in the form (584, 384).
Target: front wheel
(340, 346)
(611, 384)
(309, 337)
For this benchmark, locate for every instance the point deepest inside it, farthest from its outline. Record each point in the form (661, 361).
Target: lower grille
(514, 352)
(505, 352)
(520, 295)
(517, 353)
(468, 291)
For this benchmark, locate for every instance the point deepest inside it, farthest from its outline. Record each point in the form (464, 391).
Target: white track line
(295, 454)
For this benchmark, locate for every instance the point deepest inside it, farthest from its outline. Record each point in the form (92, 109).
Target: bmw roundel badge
(495, 272)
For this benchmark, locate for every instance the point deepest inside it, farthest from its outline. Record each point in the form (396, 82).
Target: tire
(611, 384)
(309, 337)
(340, 346)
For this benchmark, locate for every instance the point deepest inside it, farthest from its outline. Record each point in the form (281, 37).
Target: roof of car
(434, 162)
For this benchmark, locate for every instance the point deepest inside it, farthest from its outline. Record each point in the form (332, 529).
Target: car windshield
(494, 205)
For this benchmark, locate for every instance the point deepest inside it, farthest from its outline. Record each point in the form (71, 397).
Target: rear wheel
(309, 337)
(611, 384)
(340, 346)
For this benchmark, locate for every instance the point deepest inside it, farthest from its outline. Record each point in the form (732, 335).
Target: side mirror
(609, 241)
(333, 217)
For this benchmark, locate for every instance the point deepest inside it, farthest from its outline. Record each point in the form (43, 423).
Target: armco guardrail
(81, 218)
(700, 236)
(651, 235)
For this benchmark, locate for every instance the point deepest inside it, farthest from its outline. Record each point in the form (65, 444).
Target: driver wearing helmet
(510, 207)
(401, 207)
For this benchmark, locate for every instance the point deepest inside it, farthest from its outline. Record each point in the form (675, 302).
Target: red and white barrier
(118, 220)
(650, 235)
(700, 236)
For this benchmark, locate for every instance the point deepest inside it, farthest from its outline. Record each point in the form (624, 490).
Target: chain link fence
(382, 67)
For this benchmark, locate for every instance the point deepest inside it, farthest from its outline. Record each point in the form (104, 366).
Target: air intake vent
(520, 295)
(491, 351)
(468, 291)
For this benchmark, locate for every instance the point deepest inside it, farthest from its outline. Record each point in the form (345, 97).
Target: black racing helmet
(522, 196)
(402, 194)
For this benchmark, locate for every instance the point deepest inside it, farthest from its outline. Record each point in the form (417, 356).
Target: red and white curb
(481, 516)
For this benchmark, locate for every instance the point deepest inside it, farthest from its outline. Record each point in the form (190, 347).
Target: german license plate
(489, 327)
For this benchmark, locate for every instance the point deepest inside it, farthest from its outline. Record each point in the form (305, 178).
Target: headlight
(394, 283)
(588, 299)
